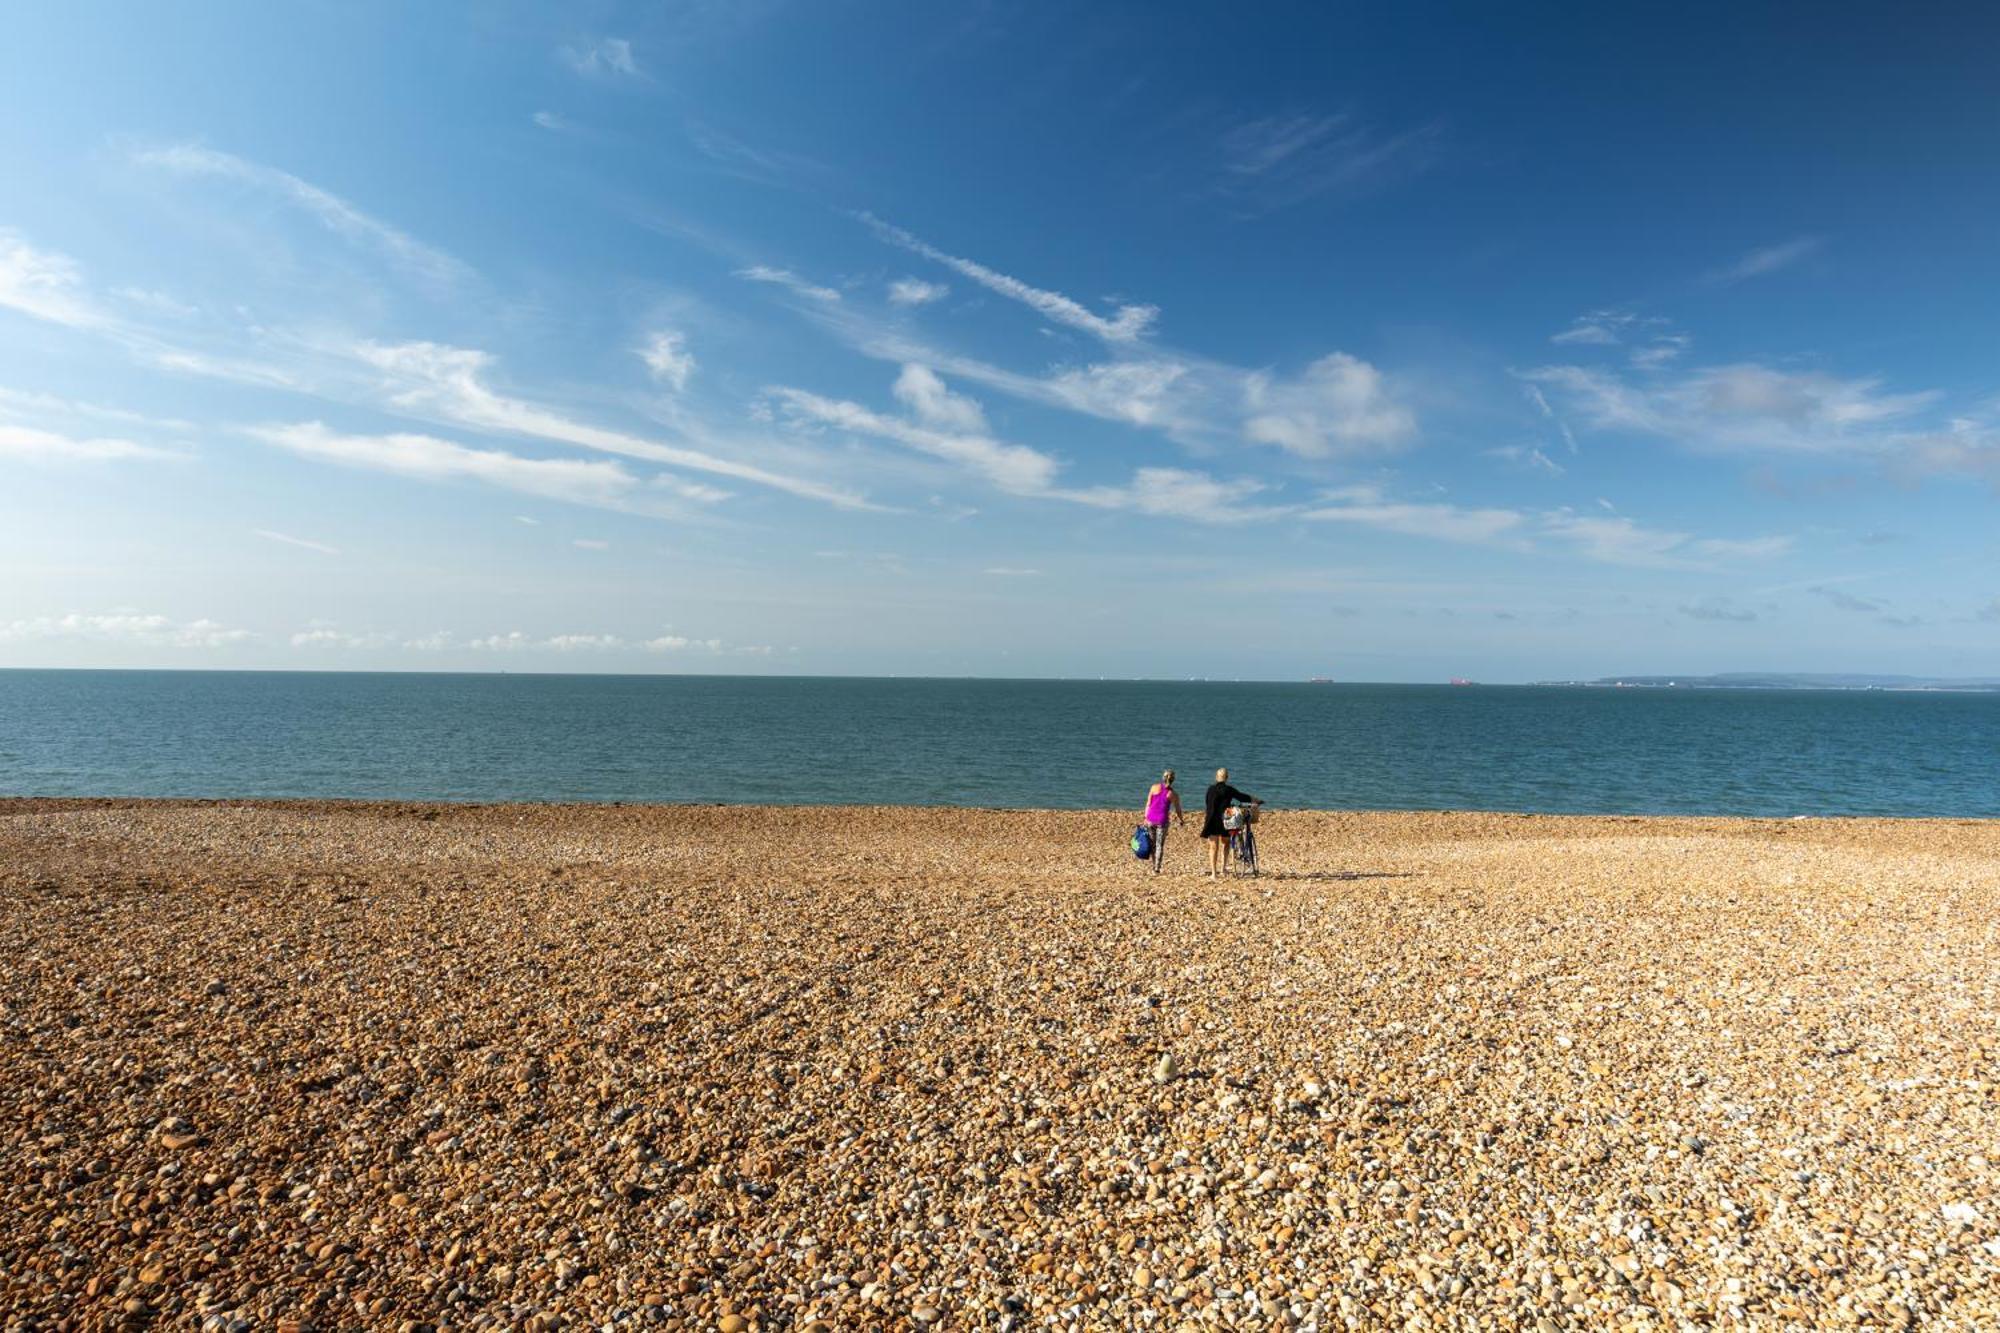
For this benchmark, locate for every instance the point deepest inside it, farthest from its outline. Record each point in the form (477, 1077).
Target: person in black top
(1220, 797)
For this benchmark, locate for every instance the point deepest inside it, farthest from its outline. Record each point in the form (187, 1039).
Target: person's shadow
(1336, 875)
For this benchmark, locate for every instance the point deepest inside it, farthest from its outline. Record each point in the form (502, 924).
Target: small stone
(1167, 1070)
(926, 1314)
(731, 1323)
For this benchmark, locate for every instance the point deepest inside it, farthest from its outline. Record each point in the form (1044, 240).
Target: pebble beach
(319, 1065)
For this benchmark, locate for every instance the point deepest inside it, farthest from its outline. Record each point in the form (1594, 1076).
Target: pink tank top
(1157, 803)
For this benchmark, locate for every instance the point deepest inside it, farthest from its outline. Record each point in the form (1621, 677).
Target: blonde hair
(1222, 775)
(1168, 777)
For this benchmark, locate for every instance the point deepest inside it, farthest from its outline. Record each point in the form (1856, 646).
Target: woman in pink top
(1159, 800)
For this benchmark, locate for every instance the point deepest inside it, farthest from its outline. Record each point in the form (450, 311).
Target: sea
(996, 743)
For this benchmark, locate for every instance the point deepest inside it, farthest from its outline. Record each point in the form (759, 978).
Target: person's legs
(1215, 846)
(1159, 847)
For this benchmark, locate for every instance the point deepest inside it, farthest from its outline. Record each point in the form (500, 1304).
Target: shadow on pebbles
(321, 1065)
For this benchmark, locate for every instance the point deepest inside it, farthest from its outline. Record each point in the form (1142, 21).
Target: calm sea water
(994, 742)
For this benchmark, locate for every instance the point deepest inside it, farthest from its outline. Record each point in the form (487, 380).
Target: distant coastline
(1755, 680)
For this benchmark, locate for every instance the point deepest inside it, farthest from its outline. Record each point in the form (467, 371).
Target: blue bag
(1142, 842)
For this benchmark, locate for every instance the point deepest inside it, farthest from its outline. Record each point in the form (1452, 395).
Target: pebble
(308, 1065)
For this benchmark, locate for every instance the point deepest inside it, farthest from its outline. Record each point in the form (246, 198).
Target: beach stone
(571, 1067)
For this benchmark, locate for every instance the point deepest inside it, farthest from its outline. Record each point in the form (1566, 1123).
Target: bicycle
(1237, 821)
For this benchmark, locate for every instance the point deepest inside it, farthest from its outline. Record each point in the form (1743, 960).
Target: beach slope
(735, 1068)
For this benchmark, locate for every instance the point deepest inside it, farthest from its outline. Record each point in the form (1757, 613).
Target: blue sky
(1384, 344)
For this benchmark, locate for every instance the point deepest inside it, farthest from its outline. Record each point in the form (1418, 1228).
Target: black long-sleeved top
(1219, 798)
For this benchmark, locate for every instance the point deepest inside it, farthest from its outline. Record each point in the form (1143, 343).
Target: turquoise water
(994, 742)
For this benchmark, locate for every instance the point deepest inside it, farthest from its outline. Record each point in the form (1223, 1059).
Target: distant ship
(1319, 680)
(1460, 680)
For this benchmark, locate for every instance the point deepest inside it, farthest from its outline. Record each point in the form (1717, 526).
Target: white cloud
(1279, 160)
(127, 627)
(448, 381)
(606, 55)
(1139, 393)
(1599, 328)
(1526, 457)
(667, 357)
(1744, 406)
(919, 389)
(590, 544)
(1664, 348)
(328, 636)
(25, 444)
(915, 291)
(1365, 506)
(1011, 467)
(790, 281)
(550, 121)
(514, 641)
(299, 542)
(1769, 259)
(524, 520)
(1337, 406)
(44, 284)
(676, 643)
(1128, 325)
(1166, 492)
(333, 212)
(160, 302)
(1340, 402)
(1011, 572)
(19, 402)
(426, 458)
(1620, 541)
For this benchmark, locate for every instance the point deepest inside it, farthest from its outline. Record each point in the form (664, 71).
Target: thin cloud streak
(300, 542)
(1769, 259)
(1128, 325)
(333, 212)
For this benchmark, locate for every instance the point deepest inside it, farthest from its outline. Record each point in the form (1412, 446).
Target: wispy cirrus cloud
(1745, 406)
(942, 426)
(790, 281)
(45, 285)
(598, 483)
(286, 539)
(329, 209)
(1010, 467)
(449, 382)
(1621, 541)
(1272, 162)
(1367, 506)
(1128, 324)
(1768, 259)
(27, 444)
(1337, 406)
(1527, 458)
(600, 57)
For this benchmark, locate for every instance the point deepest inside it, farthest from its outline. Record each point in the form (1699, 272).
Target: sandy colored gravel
(699, 1068)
